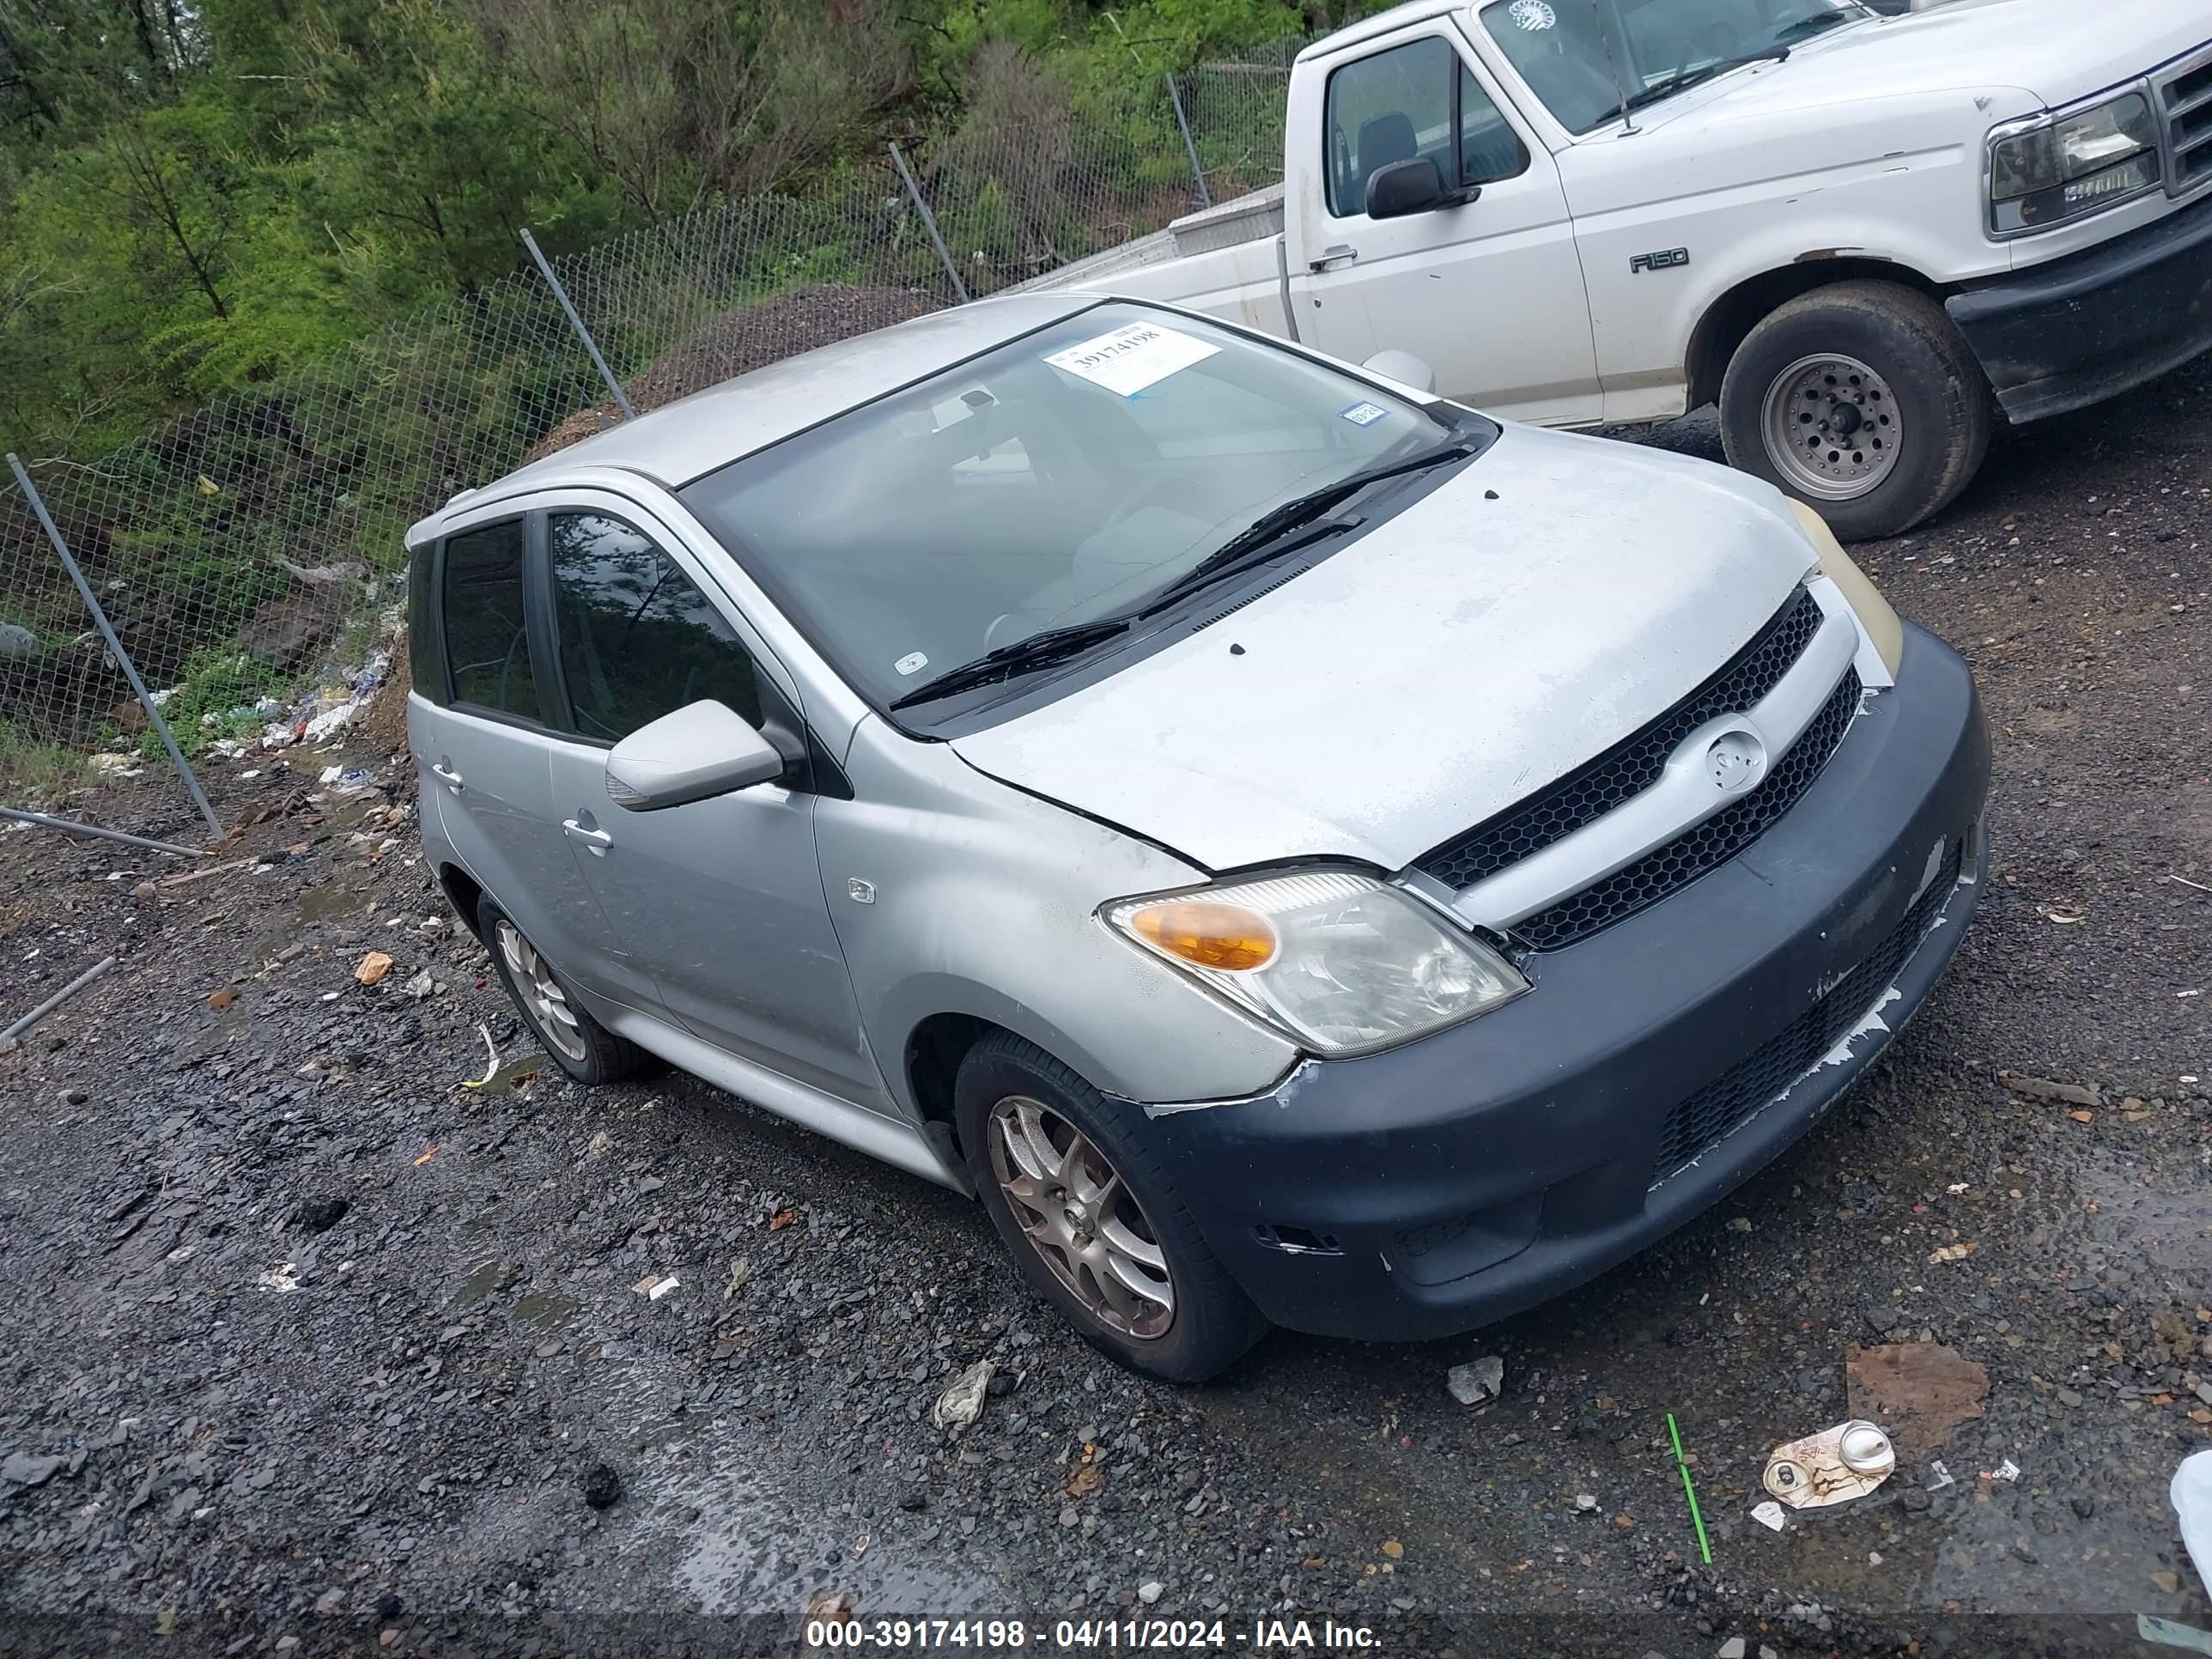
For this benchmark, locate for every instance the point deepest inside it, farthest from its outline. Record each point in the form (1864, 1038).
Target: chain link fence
(248, 555)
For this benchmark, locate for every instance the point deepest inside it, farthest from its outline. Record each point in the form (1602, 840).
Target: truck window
(1414, 99)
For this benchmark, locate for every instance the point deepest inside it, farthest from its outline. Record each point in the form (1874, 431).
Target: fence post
(929, 224)
(590, 346)
(122, 657)
(1175, 97)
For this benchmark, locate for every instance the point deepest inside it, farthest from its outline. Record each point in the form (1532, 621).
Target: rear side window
(487, 625)
(638, 639)
(425, 657)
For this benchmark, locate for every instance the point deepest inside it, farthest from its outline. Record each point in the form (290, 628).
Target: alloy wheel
(548, 1003)
(1832, 427)
(1081, 1218)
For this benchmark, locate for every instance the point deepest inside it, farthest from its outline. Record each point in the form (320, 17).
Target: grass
(37, 769)
(218, 684)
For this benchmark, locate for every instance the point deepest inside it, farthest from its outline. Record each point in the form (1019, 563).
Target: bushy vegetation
(197, 195)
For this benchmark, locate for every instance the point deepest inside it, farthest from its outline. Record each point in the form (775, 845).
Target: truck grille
(1631, 766)
(1709, 845)
(2185, 99)
(1729, 1101)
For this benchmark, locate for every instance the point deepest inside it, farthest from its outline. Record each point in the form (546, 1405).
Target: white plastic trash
(2192, 1501)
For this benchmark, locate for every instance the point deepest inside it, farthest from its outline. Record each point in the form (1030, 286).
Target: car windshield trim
(739, 503)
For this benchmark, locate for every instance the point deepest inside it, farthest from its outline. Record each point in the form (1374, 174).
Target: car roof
(709, 429)
(1383, 22)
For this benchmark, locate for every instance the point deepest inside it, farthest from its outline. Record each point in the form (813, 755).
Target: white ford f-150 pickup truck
(1868, 238)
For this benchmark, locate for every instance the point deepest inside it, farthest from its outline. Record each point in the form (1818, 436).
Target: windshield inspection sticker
(912, 663)
(1532, 14)
(1132, 357)
(1363, 414)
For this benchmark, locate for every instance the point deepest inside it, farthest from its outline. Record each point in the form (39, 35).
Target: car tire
(1143, 1230)
(1863, 401)
(576, 1042)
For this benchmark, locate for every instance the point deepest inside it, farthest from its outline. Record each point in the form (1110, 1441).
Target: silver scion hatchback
(1300, 852)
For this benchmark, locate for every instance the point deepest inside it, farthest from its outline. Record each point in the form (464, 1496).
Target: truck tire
(1862, 401)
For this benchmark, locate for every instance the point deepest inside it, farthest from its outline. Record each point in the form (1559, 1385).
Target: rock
(1883, 1318)
(1731, 1648)
(2170, 1583)
(1915, 1501)
(2084, 1506)
(1476, 1380)
(2205, 1392)
(329, 1601)
(283, 632)
(21, 1469)
(1151, 1592)
(913, 1500)
(602, 1486)
(17, 640)
(319, 1215)
(1001, 1385)
(389, 1605)
(74, 1097)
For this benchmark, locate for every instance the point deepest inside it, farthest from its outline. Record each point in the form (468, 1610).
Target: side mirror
(1404, 367)
(701, 751)
(1413, 186)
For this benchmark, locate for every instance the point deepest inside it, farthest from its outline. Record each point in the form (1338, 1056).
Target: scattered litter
(963, 1402)
(1833, 1466)
(2062, 918)
(189, 877)
(1731, 1648)
(491, 1060)
(2186, 881)
(1586, 1502)
(426, 1158)
(2191, 1495)
(1919, 1391)
(1952, 1253)
(2042, 1088)
(741, 1271)
(420, 986)
(781, 1219)
(283, 1279)
(2082, 1116)
(1477, 1381)
(2007, 1471)
(652, 1287)
(1689, 1490)
(373, 968)
(1955, 1188)
(1874, 1558)
(1150, 1591)
(1938, 1476)
(1768, 1515)
(2168, 1633)
(222, 998)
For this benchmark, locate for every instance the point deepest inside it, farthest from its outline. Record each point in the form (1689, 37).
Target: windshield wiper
(1267, 536)
(1037, 651)
(1683, 80)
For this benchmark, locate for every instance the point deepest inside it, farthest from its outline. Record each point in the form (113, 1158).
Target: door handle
(446, 776)
(598, 840)
(1342, 253)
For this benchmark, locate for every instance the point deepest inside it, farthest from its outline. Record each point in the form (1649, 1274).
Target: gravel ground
(303, 1347)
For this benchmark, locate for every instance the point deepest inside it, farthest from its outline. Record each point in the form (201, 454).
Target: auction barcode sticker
(1132, 357)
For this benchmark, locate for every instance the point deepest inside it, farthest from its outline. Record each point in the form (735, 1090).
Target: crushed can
(1833, 1466)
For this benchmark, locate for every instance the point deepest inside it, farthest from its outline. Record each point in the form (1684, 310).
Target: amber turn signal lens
(1213, 935)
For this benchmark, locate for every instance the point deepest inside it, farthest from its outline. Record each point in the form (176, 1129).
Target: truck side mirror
(1413, 186)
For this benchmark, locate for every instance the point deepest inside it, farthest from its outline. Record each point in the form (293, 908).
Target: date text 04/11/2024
(1087, 1635)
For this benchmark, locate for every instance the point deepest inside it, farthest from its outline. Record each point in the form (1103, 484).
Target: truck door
(1489, 293)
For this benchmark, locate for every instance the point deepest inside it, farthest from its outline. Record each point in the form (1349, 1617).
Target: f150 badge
(1665, 259)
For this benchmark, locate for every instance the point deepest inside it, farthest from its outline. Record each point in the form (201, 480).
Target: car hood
(2056, 50)
(1555, 595)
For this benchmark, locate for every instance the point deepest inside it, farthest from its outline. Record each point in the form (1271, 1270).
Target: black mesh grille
(1633, 764)
(1723, 1105)
(1709, 845)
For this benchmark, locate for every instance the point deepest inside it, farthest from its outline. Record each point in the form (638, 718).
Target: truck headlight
(1874, 613)
(1341, 962)
(2055, 168)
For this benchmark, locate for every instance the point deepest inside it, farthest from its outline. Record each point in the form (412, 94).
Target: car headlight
(1874, 611)
(2054, 169)
(1340, 961)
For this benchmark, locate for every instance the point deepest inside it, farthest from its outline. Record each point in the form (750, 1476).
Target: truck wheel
(1090, 1218)
(1861, 400)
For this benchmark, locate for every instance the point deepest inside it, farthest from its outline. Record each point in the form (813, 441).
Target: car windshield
(1071, 475)
(1590, 60)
